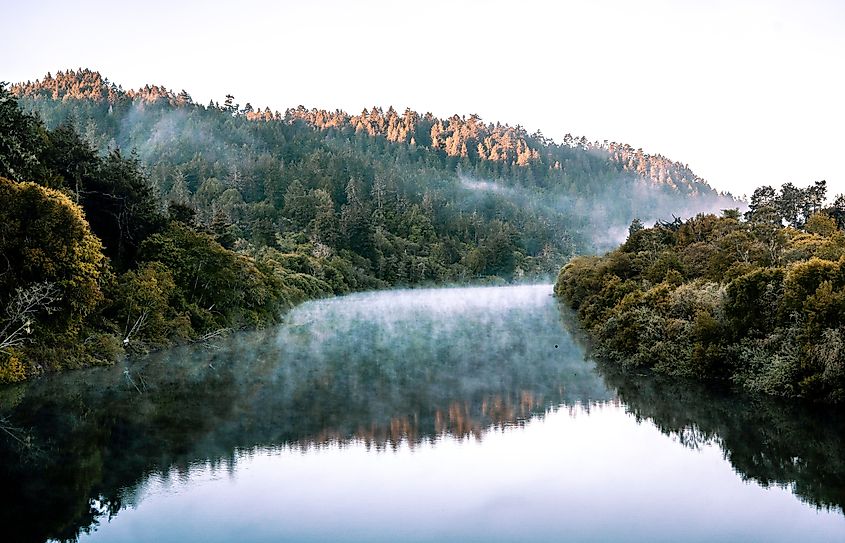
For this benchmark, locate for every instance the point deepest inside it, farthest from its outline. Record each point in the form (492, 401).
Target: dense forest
(136, 219)
(420, 198)
(756, 300)
(91, 264)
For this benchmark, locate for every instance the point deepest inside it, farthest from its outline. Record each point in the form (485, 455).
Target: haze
(747, 93)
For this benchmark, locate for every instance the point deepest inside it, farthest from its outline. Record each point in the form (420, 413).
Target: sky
(746, 93)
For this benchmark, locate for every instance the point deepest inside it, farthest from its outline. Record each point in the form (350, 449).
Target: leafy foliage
(20, 140)
(61, 250)
(53, 270)
(216, 288)
(718, 298)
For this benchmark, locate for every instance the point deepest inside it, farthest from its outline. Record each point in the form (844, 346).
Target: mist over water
(469, 331)
(465, 414)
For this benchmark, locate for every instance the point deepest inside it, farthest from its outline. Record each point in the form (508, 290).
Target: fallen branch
(219, 333)
(139, 323)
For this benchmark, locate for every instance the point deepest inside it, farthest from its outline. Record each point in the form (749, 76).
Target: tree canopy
(755, 302)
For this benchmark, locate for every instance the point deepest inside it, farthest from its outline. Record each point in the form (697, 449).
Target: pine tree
(221, 229)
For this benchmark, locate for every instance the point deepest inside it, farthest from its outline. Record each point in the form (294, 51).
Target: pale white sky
(745, 92)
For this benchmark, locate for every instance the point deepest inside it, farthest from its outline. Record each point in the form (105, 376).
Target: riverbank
(110, 348)
(746, 302)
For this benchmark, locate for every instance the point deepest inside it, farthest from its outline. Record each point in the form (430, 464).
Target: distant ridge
(503, 150)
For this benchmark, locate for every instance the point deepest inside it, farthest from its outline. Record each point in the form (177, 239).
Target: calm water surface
(467, 414)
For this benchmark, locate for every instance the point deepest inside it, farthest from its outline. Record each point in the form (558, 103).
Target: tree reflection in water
(379, 369)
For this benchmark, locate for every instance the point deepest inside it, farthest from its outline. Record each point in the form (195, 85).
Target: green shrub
(709, 299)
(12, 370)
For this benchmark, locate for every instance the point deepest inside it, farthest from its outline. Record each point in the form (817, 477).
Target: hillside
(144, 219)
(457, 166)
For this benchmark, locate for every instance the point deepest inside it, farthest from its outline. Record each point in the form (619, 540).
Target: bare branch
(136, 328)
(25, 305)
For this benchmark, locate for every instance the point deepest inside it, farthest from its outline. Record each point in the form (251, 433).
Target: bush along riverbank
(756, 299)
(68, 306)
(93, 264)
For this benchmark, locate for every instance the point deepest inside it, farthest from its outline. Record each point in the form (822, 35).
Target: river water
(454, 414)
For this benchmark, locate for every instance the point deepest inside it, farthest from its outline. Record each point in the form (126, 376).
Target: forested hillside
(740, 299)
(91, 264)
(489, 198)
(136, 219)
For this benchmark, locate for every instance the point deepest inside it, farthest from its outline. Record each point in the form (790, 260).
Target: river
(453, 414)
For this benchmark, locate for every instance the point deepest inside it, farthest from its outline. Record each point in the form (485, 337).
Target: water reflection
(380, 368)
(384, 371)
(770, 442)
